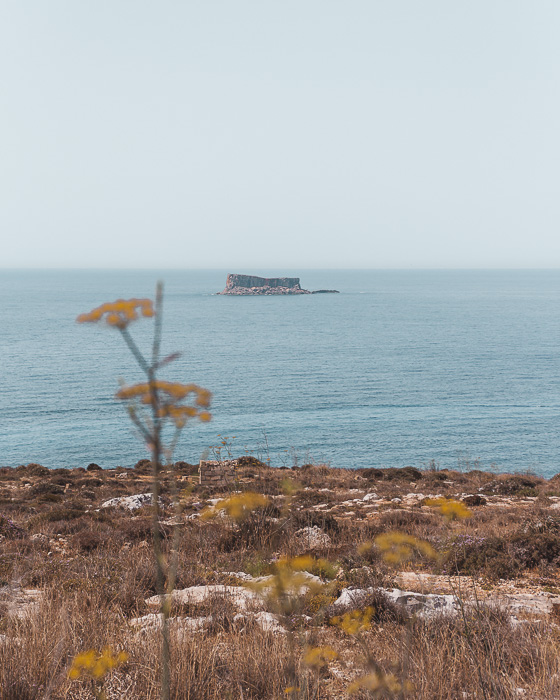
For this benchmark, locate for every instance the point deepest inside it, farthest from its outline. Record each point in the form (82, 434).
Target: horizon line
(251, 268)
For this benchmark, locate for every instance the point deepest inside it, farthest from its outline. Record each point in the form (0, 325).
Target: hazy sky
(296, 133)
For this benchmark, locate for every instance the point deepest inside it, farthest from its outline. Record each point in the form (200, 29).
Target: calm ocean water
(402, 367)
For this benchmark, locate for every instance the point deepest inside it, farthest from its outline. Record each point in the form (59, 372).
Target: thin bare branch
(166, 360)
(158, 324)
(134, 350)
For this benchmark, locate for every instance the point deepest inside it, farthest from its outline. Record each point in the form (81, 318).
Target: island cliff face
(250, 285)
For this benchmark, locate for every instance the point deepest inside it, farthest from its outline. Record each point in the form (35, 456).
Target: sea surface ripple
(401, 367)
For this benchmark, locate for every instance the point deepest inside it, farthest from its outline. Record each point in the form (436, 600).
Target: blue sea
(459, 369)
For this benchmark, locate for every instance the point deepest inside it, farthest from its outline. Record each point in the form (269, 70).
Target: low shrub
(514, 485)
(89, 482)
(36, 470)
(9, 529)
(372, 473)
(93, 467)
(44, 487)
(402, 474)
(87, 540)
(185, 468)
(500, 558)
(257, 531)
(534, 549)
(143, 466)
(474, 500)
(475, 556)
(407, 521)
(250, 461)
(313, 518)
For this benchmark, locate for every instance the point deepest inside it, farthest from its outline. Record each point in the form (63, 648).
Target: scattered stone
(312, 537)
(20, 603)
(370, 497)
(265, 620)
(39, 538)
(428, 605)
(131, 503)
(187, 625)
(352, 597)
(531, 603)
(241, 575)
(178, 625)
(424, 605)
(242, 598)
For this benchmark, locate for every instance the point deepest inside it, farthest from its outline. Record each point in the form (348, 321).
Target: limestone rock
(312, 537)
(182, 626)
(129, 502)
(370, 497)
(241, 598)
(424, 605)
(265, 620)
(20, 603)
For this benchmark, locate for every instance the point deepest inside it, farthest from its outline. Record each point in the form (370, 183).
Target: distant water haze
(401, 367)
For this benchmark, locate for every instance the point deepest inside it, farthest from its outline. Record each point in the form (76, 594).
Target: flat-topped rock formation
(250, 285)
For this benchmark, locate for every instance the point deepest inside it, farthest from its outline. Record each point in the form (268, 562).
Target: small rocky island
(249, 285)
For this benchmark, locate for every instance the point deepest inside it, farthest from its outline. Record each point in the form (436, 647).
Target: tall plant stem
(165, 601)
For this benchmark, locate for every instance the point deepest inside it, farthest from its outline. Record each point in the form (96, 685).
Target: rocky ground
(452, 578)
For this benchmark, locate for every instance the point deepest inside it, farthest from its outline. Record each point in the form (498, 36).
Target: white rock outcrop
(424, 605)
(312, 538)
(241, 598)
(129, 502)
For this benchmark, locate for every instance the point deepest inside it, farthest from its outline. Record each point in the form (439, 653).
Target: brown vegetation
(93, 570)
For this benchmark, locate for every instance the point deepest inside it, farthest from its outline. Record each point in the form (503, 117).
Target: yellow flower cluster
(95, 665)
(319, 657)
(288, 582)
(355, 621)
(169, 394)
(380, 684)
(450, 509)
(396, 547)
(119, 313)
(238, 506)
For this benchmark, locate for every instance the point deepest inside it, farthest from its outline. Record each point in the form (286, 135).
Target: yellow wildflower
(396, 547)
(449, 508)
(288, 582)
(364, 547)
(354, 622)
(379, 683)
(119, 313)
(238, 506)
(95, 665)
(319, 657)
(168, 396)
